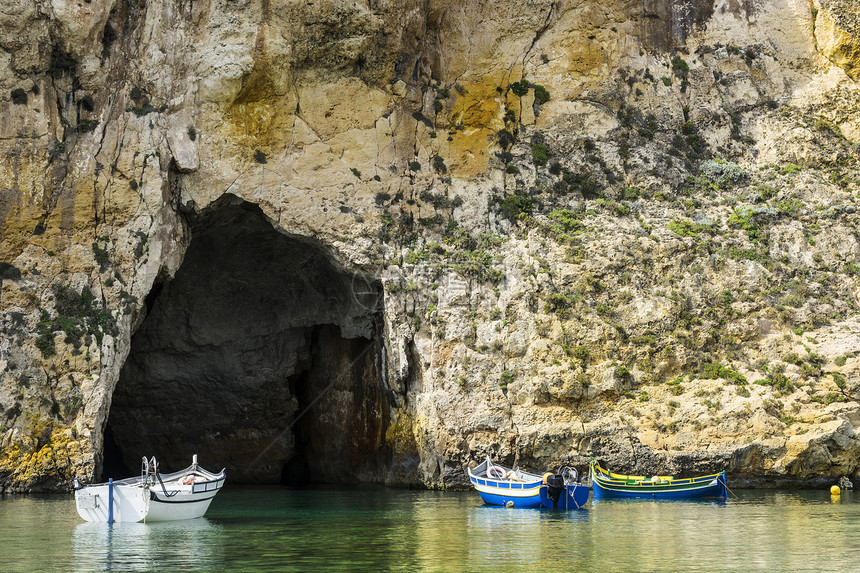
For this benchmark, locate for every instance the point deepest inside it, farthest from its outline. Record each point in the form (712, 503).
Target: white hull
(181, 506)
(130, 503)
(150, 497)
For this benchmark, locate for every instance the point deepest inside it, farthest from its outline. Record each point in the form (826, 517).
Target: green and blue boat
(610, 484)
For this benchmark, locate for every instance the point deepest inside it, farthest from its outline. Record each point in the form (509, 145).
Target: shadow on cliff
(263, 355)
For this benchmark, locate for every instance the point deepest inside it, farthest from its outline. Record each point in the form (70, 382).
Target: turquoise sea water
(276, 529)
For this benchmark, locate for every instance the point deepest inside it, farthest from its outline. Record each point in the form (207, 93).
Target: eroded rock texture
(376, 240)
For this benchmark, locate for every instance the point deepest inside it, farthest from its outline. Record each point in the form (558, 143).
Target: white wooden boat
(151, 496)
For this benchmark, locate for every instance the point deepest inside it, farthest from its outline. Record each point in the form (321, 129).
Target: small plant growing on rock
(516, 205)
(520, 88)
(505, 380)
(506, 138)
(101, 256)
(76, 315)
(722, 172)
(540, 153)
(630, 193)
(748, 218)
(682, 70)
(541, 94)
(715, 370)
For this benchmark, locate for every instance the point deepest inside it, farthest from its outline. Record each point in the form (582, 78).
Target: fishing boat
(151, 496)
(610, 484)
(499, 485)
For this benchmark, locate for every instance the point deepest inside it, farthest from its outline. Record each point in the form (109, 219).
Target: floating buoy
(834, 490)
(509, 505)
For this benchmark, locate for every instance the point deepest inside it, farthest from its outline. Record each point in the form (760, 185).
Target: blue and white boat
(499, 485)
(611, 484)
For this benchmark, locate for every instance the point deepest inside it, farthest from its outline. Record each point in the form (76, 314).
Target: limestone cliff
(374, 241)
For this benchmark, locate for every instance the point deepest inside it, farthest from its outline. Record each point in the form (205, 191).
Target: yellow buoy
(834, 490)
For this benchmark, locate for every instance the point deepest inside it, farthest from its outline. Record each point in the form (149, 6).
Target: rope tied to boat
(730, 491)
(164, 489)
(574, 498)
(152, 467)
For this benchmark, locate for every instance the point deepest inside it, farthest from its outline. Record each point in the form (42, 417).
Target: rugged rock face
(376, 240)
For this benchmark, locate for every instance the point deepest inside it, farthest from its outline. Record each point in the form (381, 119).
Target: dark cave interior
(261, 355)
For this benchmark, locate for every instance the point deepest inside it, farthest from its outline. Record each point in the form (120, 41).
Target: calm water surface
(275, 529)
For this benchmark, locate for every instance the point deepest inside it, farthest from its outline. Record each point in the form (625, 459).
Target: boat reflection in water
(532, 537)
(144, 546)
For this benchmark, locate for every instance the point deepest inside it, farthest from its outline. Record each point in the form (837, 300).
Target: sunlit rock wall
(596, 224)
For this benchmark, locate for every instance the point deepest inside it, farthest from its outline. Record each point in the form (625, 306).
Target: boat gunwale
(614, 481)
(531, 480)
(142, 481)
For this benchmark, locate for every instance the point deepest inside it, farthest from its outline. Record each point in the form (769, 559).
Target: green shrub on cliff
(516, 205)
(540, 153)
(685, 228)
(559, 304)
(505, 379)
(566, 223)
(715, 370)
(77, 314)
(722, 172)
(541, 94)
(750, 219)
(476, 264)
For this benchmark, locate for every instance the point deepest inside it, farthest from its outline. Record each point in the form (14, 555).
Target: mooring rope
(730, 491)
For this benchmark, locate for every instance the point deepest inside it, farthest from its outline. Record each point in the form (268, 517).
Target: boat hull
(534, 494)
(713, 486)
(177, 509)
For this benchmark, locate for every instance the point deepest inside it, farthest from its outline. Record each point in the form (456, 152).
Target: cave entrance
(256, 329)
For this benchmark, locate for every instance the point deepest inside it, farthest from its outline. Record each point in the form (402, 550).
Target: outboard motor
(554, 488)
